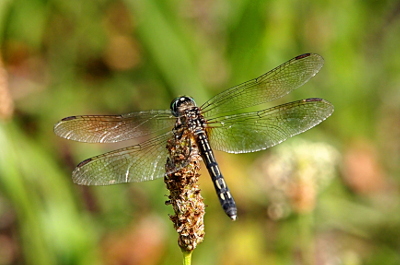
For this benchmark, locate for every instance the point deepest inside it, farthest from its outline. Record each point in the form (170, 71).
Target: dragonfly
(215, 125)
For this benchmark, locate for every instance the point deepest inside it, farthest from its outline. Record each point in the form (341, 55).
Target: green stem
(187, 257)
(305, 223)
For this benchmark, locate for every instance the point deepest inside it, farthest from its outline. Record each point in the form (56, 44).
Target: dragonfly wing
(254, 131)
(142, 162)
(270, 86)
(114, 128)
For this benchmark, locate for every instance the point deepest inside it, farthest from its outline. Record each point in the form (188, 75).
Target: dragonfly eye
(180, 104)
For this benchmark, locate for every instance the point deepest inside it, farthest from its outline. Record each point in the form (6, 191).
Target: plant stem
(305, 224)
(187, 257)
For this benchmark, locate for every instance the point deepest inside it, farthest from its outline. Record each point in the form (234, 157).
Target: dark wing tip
(305, 55)
(84, 162)
(317, 100)
(316, 58)
(313, 99)
(69, 118)
(78, 175)
(328, 107)
(59, 128)
(301, 56)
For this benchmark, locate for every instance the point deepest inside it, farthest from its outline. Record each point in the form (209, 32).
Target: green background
(64, 58)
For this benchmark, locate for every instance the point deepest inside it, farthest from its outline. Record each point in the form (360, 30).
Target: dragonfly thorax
(181, 104)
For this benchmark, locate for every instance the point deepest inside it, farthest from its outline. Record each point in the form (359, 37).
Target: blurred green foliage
(65, 58)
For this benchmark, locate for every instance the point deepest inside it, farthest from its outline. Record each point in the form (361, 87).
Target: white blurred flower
(292, 175)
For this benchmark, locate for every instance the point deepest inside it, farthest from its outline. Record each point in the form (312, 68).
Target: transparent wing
(142, 162)
(270, 86)
(254, 131)
(114, 128)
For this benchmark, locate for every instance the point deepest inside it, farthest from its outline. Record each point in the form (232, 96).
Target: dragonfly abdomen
(224, 195)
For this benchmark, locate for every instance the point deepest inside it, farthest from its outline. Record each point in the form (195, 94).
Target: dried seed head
(185, 196)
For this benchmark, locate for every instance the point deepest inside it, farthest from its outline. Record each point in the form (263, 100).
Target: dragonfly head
(180, 104)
